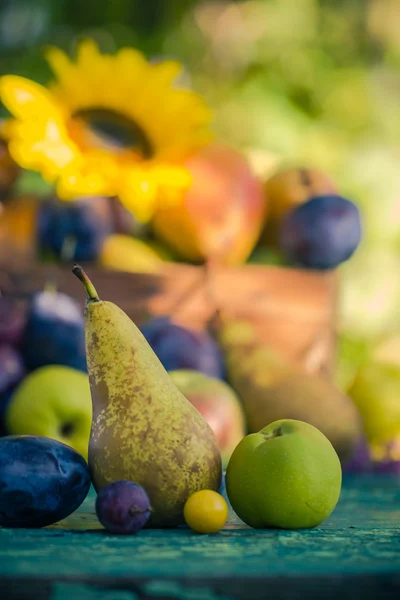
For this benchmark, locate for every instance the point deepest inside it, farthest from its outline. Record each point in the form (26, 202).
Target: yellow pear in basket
(124, 253)
(271, 388)
(144, 429)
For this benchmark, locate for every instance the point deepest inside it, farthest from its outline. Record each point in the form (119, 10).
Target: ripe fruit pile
(154, 460)
(297, 217)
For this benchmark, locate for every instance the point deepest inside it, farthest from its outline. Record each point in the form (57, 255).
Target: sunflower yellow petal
(88, 54)
(138, 193)
(96, 173)
(165, 72)
(50, 135)
(26, 99)
(42, 146)
(59, 61)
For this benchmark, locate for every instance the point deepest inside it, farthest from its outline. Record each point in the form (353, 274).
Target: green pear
(144, 429)
(272, 388)
(287, 475)
(218, 404)
(53, 401)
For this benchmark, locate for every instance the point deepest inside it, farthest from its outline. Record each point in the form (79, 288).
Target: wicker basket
(293, 310)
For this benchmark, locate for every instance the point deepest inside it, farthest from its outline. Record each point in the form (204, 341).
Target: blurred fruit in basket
(321, 233)
(369, 292)
(54, 332)
(180, 348)
(113, 213)
(351, 353)
(9, 170)
(125, 253)
(221, 215)
(71, 230)
(375, 392)
(55, 402)
(386, 457)
(18, 228)
(267, 256)
(271, 388)
(361, 459)
(11, 368)
(218, 404)
(12, 321)
(289, 188)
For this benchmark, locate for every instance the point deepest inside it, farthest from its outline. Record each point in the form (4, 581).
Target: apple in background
(287, 475)
(55, 332)
(218, 404)
(54, 402)
(221, 215)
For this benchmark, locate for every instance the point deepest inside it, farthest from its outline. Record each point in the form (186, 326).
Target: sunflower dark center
(114, 131)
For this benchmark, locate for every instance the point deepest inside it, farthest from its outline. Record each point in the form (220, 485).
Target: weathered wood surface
(355, 554)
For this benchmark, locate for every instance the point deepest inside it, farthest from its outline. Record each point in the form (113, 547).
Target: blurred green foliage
(313, 82)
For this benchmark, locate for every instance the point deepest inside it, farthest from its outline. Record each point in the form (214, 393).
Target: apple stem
(89, 287)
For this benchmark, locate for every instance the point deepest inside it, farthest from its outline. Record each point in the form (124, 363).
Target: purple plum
(361, 459)
(12, 321)
(321, 233)
(55, 332)
(123, 507)
(11, 367)
(75, 223)
(389, 461)
(181, 348)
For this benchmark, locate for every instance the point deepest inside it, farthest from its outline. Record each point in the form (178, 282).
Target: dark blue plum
(41, 481)
(123, 507)
(322, 233)
(54, 334)
(76, 223)
(12, 321)
(181, 348)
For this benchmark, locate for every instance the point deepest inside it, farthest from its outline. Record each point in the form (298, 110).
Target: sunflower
(112, 125)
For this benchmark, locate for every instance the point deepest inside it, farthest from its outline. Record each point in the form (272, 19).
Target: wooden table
(354, 554)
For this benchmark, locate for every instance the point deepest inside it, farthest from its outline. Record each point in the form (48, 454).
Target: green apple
(218, 404)
(287, 475)
(55, 402)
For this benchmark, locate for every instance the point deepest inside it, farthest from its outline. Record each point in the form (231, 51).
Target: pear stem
(89, 287)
